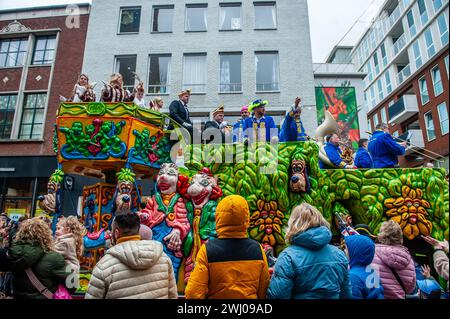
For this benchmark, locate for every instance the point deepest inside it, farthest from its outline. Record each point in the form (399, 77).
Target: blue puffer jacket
(311, 269)
(361, 250)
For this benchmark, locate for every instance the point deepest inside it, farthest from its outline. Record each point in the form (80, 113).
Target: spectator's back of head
(127, 224)
(304, 217)
(232, 217)
(390, 234)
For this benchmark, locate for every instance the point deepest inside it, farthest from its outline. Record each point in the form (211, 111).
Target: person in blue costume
(292, 128)
(334, 153)
(384, 149)
(257, 128)
(363, 159)
(238, 127)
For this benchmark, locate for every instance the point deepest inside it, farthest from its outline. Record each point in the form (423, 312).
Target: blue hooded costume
(292, 130)
(384, 150)
(363, 158)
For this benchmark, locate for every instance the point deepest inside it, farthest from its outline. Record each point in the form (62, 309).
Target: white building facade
(227, 52)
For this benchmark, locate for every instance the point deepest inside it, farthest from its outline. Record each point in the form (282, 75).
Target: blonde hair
(304, 217)
(390, 234)
(35, 230)
(77, 230)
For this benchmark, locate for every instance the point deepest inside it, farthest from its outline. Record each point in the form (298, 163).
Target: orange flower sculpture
(267, 223)
(410, 212)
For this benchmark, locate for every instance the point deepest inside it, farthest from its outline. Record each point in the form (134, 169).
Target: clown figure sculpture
(204, 192)
(165, 213)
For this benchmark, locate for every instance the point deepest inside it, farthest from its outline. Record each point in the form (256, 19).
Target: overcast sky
(329, 20)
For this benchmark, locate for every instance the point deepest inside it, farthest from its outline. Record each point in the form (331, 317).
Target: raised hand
(426, 271)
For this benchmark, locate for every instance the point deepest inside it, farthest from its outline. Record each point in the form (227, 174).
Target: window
(424, 96)
(194, 73)
(230, 72)
(13, 51)
(437, 5)
(267, 71)
(158, 76)
(375, 62)
(422, 11)
(383, 116)
(443, 29)
(383, 54)
(412, 27)
(126, 65)
(372, 96)
(7, 109)
(431, 133)
(375, 120)
(369, 125)
(130, 19)
(446, 64)
(387, 77)
(395, 134)
(162, 18)
(443, 118)
(369, 71)
(196, 17)
(230, 16)
(437, 81)
(265, 15)
(44, 50)
(429, 42)
(417, 55)
(32, 121)
(380, 90)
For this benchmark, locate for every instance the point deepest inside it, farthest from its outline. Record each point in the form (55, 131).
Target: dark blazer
(212, 125)
(179, 113)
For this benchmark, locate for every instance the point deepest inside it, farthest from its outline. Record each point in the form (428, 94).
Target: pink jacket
(398, 258)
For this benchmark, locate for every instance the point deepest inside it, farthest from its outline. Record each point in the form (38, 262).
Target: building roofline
(371, 24)
(335, 48)
(49, 7)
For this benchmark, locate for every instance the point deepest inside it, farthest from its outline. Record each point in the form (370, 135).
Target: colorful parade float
(123, 144)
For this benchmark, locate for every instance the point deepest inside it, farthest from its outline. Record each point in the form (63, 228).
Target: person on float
(363, 159)
(384, 149)
(231, 266)
(179, 110)
(360, 250)
(217, 124)
(310, 268)
(132, 268)
(238, 127)
(334, 153)
(114, 91)
(139, 95)
(157, 104)
(258, 126)
(292, 128)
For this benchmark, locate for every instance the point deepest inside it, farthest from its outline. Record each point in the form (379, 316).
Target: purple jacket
(398, 258)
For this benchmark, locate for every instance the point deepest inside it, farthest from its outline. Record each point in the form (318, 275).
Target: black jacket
(179, 113)
(213, 126)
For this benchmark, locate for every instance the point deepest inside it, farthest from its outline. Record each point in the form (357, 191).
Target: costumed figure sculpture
(204, 193)
(166, 214)
(114, 90)
(51, 203)
(299, 181)
(125, 185)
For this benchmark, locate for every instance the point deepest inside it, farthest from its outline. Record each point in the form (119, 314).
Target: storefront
(22, 180)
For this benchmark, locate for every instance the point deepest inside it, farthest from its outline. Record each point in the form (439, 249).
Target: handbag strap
(38, 285)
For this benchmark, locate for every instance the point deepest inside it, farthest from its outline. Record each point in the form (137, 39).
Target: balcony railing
(403, 75)
(403, 109)
(268, 87)
(400, 44)
(230, 87)
(393, 18)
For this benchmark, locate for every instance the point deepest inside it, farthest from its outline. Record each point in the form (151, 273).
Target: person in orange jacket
(231, 266)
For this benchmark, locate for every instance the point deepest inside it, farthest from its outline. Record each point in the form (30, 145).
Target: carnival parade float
(122, 144)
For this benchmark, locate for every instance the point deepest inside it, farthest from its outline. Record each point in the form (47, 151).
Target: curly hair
(304, 217)
(390, 234)
(35, 230)
(77, 230)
